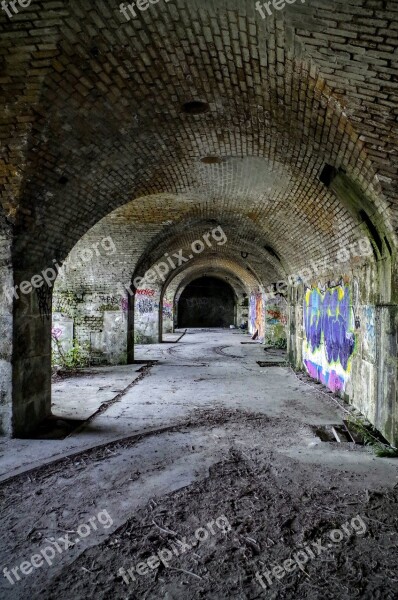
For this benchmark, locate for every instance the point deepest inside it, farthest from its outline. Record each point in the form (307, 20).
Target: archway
(207, 302)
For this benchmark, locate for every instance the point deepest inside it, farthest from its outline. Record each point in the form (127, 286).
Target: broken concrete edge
(173, 427)
(143, 372)
(5, 477)
(354, 413)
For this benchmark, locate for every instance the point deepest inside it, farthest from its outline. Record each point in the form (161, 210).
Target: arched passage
(100, 135)
(207, 302)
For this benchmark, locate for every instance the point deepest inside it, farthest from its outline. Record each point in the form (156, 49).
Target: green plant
(370, 438)
(280, 343)
(76, 357)
(138, 338)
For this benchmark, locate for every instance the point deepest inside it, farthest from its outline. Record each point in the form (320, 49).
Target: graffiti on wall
(329, 335)
(149, 293)
(277, 310)
(56, 333)
(257, 315)
(109, 300)
(44, 301)
(276, 318)
(145, 306)
(167, 310)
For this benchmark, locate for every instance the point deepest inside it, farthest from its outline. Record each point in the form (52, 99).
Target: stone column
(6, 342)
(31, 373)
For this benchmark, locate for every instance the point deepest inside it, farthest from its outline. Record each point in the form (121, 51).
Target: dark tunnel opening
(207, 302)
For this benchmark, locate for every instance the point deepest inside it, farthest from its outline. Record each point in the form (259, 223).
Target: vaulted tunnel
(124, 153)
(169, 169)
(206, 302)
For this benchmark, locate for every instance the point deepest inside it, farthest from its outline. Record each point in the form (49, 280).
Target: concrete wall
(257, 315)
(62, 331)
(168, 312)
(342, 336)
(146, 315)
(31, 357)
(99, 320)
(6, 338)
(276, 319)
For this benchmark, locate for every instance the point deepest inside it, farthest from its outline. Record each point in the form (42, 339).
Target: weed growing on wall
(76, 357)
(372, 439)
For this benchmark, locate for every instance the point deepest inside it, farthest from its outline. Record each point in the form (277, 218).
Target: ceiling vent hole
(211, 160)
(328, 174)
(195, 107)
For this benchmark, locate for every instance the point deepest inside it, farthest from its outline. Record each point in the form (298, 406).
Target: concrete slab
(206, 369)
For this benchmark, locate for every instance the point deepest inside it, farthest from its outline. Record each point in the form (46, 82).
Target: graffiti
(109, 300)
(355, 303)
(124, 305)
(257, 315)
(167, 310)
(149, 293)
(56, 333)
(44, 300)
(196, 302)
(274, 317)
(145, 306)
(329, 342)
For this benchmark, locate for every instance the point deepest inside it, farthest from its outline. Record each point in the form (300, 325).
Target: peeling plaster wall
(257, 315)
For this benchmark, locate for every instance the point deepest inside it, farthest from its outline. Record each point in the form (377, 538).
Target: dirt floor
(222, 500)
(270, 514)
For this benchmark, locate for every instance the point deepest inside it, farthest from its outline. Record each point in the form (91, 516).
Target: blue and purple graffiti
(329, 335)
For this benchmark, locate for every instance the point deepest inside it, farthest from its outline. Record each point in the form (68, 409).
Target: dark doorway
(207, 302)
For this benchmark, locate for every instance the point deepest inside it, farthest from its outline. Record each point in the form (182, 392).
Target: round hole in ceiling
(195, 107)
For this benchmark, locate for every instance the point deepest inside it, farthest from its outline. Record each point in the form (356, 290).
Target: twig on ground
(168, 531)
(187, 573)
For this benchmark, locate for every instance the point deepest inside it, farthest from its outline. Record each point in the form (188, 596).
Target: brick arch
(93, 121)
(312, 126)
(224, 271)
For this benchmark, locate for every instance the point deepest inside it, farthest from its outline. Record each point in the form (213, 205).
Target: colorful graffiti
(167, 309)
(276, 319)
(148, 292)
(257, 315)
(56, 333)
(329, 342)
(124, 305)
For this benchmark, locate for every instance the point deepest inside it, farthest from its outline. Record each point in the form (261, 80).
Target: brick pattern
(92, 119)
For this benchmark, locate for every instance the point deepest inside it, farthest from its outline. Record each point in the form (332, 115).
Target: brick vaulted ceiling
(92, 120)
